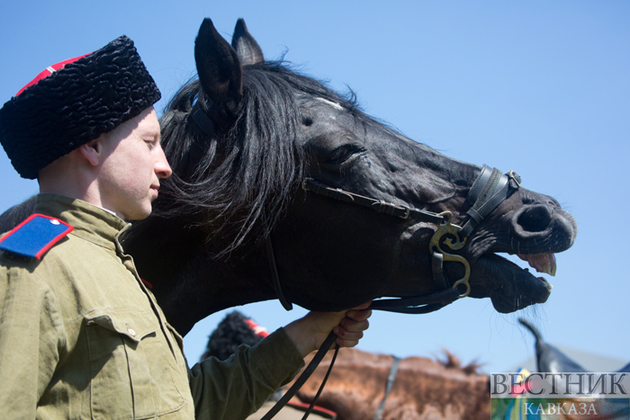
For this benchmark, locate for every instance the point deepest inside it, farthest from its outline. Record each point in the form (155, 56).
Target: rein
(488, 191)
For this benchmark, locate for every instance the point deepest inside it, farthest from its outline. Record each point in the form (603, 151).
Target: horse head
(242, 140)
(550, 359)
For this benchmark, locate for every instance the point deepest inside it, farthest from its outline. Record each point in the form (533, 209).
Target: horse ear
(219, 68)
(245, 45)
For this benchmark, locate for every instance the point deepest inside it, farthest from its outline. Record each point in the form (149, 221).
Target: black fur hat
(234, 330)
(74, 102)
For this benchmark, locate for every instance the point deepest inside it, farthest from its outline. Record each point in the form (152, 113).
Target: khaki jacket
(82, 337)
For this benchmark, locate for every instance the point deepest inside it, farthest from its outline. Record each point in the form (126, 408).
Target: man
(80, 335)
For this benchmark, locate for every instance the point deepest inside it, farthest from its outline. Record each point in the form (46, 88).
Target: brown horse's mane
(453, 362)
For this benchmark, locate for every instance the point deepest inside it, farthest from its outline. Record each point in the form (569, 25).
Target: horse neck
(179, 263)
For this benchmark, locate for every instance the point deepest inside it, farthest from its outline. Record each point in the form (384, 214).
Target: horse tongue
(543, 263)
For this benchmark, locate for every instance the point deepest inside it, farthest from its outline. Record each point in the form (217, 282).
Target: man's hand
(308, 333)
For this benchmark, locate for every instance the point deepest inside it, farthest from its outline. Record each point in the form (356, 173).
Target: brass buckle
(454, 242)
(515, 177)
(304, 182)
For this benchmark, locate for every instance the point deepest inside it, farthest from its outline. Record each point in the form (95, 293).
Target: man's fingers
(359, 314)
(347, 338)
(352, 325)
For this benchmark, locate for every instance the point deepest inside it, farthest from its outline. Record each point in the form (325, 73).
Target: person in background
(236, 330)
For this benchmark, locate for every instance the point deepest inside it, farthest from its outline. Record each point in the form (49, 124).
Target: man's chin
(138, 214)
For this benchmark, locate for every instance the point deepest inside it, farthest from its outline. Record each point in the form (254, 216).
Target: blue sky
(539, 87)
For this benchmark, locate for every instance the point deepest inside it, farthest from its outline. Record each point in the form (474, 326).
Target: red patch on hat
(258, 330)
(50, 70)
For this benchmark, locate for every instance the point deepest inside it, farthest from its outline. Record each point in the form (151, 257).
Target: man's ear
(92, 151)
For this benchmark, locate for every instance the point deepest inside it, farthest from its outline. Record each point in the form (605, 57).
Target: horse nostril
(534, 219)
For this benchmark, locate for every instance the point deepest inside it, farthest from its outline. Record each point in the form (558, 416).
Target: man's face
(134, 163)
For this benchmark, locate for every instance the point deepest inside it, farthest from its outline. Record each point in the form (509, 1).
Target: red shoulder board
(34, 236)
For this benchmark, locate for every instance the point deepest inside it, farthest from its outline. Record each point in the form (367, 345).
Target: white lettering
(528, 408)
(561, 409)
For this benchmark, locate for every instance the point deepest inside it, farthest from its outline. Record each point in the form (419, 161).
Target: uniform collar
(90, 222)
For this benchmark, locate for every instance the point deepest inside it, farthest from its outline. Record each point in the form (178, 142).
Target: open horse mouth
(510, 286)
(503, 218)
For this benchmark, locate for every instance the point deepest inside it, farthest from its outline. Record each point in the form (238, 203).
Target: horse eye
(341, 154)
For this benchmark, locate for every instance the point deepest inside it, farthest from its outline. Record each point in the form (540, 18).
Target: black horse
(242, 140)
(550, 359)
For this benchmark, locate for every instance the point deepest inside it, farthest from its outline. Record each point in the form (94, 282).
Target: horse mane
(238, 184)
(453, 362)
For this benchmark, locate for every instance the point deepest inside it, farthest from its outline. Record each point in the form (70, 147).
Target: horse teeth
(546, 268)
(543, 263)
(548, 285)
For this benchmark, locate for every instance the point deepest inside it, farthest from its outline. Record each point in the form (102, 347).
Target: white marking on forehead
(333, 104)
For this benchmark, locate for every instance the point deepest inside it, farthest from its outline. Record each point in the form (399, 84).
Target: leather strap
(275, 278)
(203, 122)
(304, 377)
(488, 191)
(380, 206)
(321, 387)
(417, 304)
(209, 121)
(388, 387)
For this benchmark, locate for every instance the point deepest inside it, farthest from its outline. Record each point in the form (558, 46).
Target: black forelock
(239, 182)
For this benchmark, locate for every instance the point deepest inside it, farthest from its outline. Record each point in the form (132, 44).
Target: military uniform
(82, 337)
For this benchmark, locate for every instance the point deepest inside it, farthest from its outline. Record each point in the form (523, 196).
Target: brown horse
(421, 388)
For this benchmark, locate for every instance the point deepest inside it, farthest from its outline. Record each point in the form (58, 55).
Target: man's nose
(162, 168)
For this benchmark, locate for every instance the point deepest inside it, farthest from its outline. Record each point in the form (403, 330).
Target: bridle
(489, 189)
(487, 192)
(391, 377)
